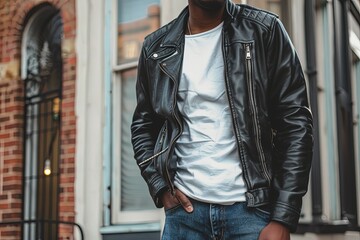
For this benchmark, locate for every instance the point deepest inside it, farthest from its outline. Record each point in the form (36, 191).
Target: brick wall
(11, 120)
(13, 15)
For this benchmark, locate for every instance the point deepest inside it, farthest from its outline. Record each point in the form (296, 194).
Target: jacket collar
(176, 32)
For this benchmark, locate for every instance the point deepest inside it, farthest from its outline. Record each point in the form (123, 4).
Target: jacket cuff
(157, 186)
(285, 215)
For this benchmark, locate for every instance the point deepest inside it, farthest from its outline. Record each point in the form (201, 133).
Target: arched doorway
(42, 74)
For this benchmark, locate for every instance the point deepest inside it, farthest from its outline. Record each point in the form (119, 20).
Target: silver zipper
(233, 114)
(254, 111)
(153, 157)
(162, 135)
(172, 188)
(168, 57)
(162, 138)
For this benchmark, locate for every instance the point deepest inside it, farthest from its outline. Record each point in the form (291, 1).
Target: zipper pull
(248, 54)
(162, 137)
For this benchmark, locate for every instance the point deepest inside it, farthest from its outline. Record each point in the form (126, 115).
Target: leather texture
(267, 95)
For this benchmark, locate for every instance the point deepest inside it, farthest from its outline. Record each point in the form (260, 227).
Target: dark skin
(203, 16)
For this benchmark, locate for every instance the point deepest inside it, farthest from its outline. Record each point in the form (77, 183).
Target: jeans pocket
(172, 209)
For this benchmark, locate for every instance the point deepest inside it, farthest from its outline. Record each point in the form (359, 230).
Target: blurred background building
(67, 93)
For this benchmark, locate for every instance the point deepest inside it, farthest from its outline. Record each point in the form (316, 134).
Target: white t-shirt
(208, 167)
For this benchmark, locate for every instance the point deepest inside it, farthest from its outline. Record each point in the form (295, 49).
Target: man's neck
(201, 20)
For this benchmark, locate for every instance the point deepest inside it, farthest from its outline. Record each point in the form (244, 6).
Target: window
(354, 40)
(279, 7)
(329, 207)
(131, 202)
(271, 5)
(42, 74)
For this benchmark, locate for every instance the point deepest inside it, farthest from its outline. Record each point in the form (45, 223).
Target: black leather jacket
(268, 100)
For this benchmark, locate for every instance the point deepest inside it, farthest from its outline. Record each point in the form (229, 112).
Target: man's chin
(210, 5)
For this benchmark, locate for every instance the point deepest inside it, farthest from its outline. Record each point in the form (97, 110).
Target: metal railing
(38, 221)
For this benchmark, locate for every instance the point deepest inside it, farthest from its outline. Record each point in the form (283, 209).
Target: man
(222, 131)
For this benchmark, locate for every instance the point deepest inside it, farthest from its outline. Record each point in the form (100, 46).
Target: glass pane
(354, 32)
(134, 192)
(136, 19)
(280, 7)
(356, 94)
(271, 5)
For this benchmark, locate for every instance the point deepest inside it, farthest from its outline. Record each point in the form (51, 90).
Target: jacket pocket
(159, 147)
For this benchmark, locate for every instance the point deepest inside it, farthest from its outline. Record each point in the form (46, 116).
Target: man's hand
(171, 201)
(275, 231)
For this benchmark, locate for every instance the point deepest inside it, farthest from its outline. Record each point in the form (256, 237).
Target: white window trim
(118, 216)
(355, 46)
(123, 217)
(354, 43)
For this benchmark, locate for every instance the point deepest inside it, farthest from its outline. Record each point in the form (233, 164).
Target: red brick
(17, 134)
(16, 151)
(71, 150)
(11, 187)
(12, 160)
(17, 169)
(11, 144)
(4, 206)
(18, 98)
(18, 117)
(5, 135)
(9, 233)
(68, 180)
(12, 17)
(13, 126)
(3, 197)
(17, 196)
(12, 178)
(17, 205)
(12, 215)
(4, 119)
(66, 208)
(14, 108)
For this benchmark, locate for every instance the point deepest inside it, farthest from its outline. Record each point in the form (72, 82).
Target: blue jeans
(215, 222)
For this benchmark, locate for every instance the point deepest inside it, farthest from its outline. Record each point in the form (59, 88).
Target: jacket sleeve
(144, 131)
(291, 120)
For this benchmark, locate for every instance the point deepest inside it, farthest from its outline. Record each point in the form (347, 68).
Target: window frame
(118, 216)
(355, 78)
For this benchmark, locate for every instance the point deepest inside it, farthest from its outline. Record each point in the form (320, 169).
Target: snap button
(249, 195)
(250, 199)
(155, 55)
